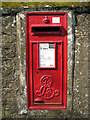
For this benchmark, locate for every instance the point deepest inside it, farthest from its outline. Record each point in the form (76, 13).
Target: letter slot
(46, 30)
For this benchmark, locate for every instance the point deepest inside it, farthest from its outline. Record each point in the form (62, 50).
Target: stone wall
(14, 95)
(81, 65)
(10, 81)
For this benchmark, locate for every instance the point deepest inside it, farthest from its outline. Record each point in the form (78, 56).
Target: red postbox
(46, 60)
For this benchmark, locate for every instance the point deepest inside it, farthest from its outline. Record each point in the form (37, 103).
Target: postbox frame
(29, 63)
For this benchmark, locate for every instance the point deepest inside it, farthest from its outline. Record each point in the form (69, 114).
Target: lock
(46, 60)
(46, 20)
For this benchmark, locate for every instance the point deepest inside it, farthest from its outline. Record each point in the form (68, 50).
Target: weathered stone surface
(9, 71)
(46, 7)
(81, 66)
(14, 95)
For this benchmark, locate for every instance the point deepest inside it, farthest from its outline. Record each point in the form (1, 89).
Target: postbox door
(46, 73)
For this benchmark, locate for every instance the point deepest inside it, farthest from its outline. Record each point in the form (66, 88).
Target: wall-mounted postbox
(46, 60)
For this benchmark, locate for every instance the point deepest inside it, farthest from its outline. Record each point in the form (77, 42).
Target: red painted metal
(46, 86)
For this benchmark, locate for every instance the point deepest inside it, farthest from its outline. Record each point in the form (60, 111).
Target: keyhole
(37, 73)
